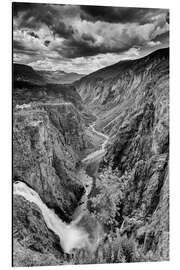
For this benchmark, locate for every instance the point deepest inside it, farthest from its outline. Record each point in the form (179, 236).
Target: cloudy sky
(83, 39)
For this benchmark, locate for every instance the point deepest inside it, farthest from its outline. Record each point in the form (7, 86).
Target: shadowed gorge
(90, 152)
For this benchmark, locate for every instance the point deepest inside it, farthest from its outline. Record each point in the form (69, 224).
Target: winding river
(99, 153)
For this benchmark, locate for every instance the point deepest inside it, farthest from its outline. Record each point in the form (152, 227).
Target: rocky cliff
(33, 243)
(47, 142)
(131, 100)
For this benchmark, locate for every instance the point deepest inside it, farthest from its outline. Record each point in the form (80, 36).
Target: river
(99, 153)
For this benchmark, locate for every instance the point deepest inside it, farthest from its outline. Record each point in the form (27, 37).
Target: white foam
(70, 235)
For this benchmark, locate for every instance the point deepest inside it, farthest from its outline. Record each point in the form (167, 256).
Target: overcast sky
(83, 39)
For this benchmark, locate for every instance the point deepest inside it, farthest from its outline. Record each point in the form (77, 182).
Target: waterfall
(70, 235)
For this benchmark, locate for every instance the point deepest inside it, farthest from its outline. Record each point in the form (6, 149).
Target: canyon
(90, 162)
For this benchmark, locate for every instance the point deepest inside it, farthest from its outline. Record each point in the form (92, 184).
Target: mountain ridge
(126, 63)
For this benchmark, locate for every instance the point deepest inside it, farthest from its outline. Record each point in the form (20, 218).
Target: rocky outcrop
(69, 122)
(47, 142)
(31, 236)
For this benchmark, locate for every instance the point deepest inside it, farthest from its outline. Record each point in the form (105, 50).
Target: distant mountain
(26, 92)
(26, 73)
(31, 86)
(59, 77)
(109, 72)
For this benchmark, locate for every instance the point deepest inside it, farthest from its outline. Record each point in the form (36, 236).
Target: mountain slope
(26, 74)
(26, 92)
(30, 86)
(104, 90)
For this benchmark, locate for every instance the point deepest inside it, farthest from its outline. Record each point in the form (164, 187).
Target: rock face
(47, 141)
(31, 234)
(131, 100)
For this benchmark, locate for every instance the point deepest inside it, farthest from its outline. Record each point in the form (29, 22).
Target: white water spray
(71, 236)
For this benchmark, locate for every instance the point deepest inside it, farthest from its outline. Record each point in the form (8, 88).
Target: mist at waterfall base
(73, 235)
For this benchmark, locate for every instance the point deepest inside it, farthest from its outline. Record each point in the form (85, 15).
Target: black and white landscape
(90, 134)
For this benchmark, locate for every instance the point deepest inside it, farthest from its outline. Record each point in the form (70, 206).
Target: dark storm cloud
(19, 7)
(77, 48)
(119, 14)
(48, 31)
(17, 45)
(62, 30)
(33, 15)
(86, 46)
